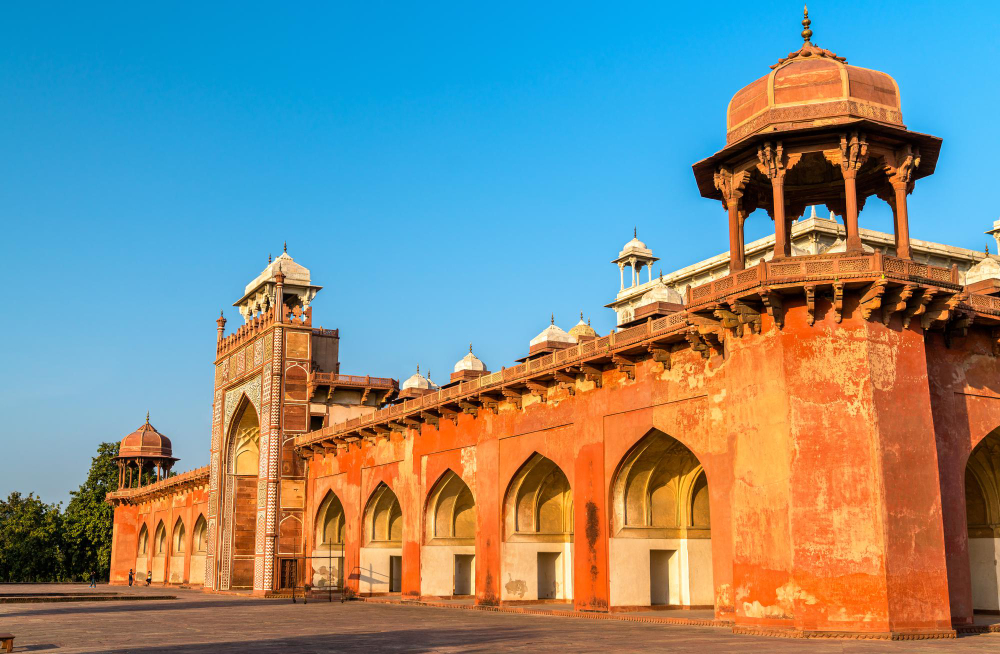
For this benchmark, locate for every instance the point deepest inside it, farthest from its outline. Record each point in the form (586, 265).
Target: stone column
(774, 164)
(853, 154)
(621, 274)
(731, 185)
(901, 180)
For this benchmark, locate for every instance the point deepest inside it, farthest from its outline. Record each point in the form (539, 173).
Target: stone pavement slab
(211, 623)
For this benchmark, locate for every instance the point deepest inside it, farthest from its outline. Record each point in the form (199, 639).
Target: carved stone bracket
(747, 315)
(958, 327)
(624, 364)
(512, 396)
(917, 304)
(810, 293)
(468, 408)
(894, 301)
(592, 373)
(660, 355)
(775, 308)
(838, 301)
(539, 390)
(940, 309)
(872, 298)
(698, 343)
(729, 320)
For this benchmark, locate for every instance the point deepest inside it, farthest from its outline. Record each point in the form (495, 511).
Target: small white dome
(635, 243)
(418, 381)
(661, 293)
(554, 334)
(582, 329)
(470, 362)
(988, 268)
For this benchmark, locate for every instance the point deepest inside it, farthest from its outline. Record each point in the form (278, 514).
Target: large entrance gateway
(982, 512)
(242, 511)
(661, 547)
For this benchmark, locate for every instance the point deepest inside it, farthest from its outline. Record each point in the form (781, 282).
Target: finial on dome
(147, 417)
(269, 258)
(418, 368)
(806, 32)
(552, 319)
(987, 248)
(285, 245)
(635, 233)
(581, 316)
(470, 348)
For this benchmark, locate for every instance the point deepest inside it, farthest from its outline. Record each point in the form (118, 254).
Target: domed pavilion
(143, 450)
(815, 130)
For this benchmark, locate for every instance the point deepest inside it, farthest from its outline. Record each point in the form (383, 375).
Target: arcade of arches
(794, 442)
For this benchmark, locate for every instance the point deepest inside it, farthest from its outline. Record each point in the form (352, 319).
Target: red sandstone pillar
(782, 244)
(736, 261)
(902, 221)
(590, 540)
(851, 213)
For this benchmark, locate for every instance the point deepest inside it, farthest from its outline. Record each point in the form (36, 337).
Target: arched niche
(451, 512)
(383, 518)
(199, 548)
(143, 549)
(177, 541)
(246, 441)
(330, 522)
(537, 558)
(660, 549)
(160, 540)
(539, 502)
(982, 512)
(660, 491)
(200, 537)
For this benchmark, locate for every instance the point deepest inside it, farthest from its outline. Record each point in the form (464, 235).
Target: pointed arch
(450, 512)
(245, 439)
(160, 540)
(178, 537)
(982, 515)
(143, 547)
(383, 517)
(330, 521)
(199, 540)
(539, 502)
(660, 487)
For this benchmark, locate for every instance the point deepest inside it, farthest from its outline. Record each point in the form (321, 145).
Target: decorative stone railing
(191, 478)
(824, 268)
(838, 270)
(601, 347)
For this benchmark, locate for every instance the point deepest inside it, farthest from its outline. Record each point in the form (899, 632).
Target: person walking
(149, 577)
(93, 579)
(131, 576)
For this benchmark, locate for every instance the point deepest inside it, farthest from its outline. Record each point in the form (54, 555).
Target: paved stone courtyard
(200, 622)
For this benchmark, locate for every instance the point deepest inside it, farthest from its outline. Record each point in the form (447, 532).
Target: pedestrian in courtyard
(93, 579)
(149, 577)
(131, 576)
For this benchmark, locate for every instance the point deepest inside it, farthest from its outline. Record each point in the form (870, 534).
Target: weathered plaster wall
(689, 579)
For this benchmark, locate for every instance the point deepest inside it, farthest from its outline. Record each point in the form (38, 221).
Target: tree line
(43, 542)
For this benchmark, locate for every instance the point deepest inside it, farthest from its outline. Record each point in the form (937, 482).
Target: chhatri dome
(552, 334)
(660, 292)
(812, 87)
(470, 362)
(418, 382)
(582, 331)
(145, 442)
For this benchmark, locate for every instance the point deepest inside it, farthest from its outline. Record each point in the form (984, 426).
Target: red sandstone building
(801, 435)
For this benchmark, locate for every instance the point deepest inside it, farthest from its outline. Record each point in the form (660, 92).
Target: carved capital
(731, 185)
(853, 153)
(900, 167)
(773, 163)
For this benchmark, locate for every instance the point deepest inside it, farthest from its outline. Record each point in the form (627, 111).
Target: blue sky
(450, 173)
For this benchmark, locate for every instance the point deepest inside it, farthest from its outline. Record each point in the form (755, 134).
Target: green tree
(30, 539)
(88, 521)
